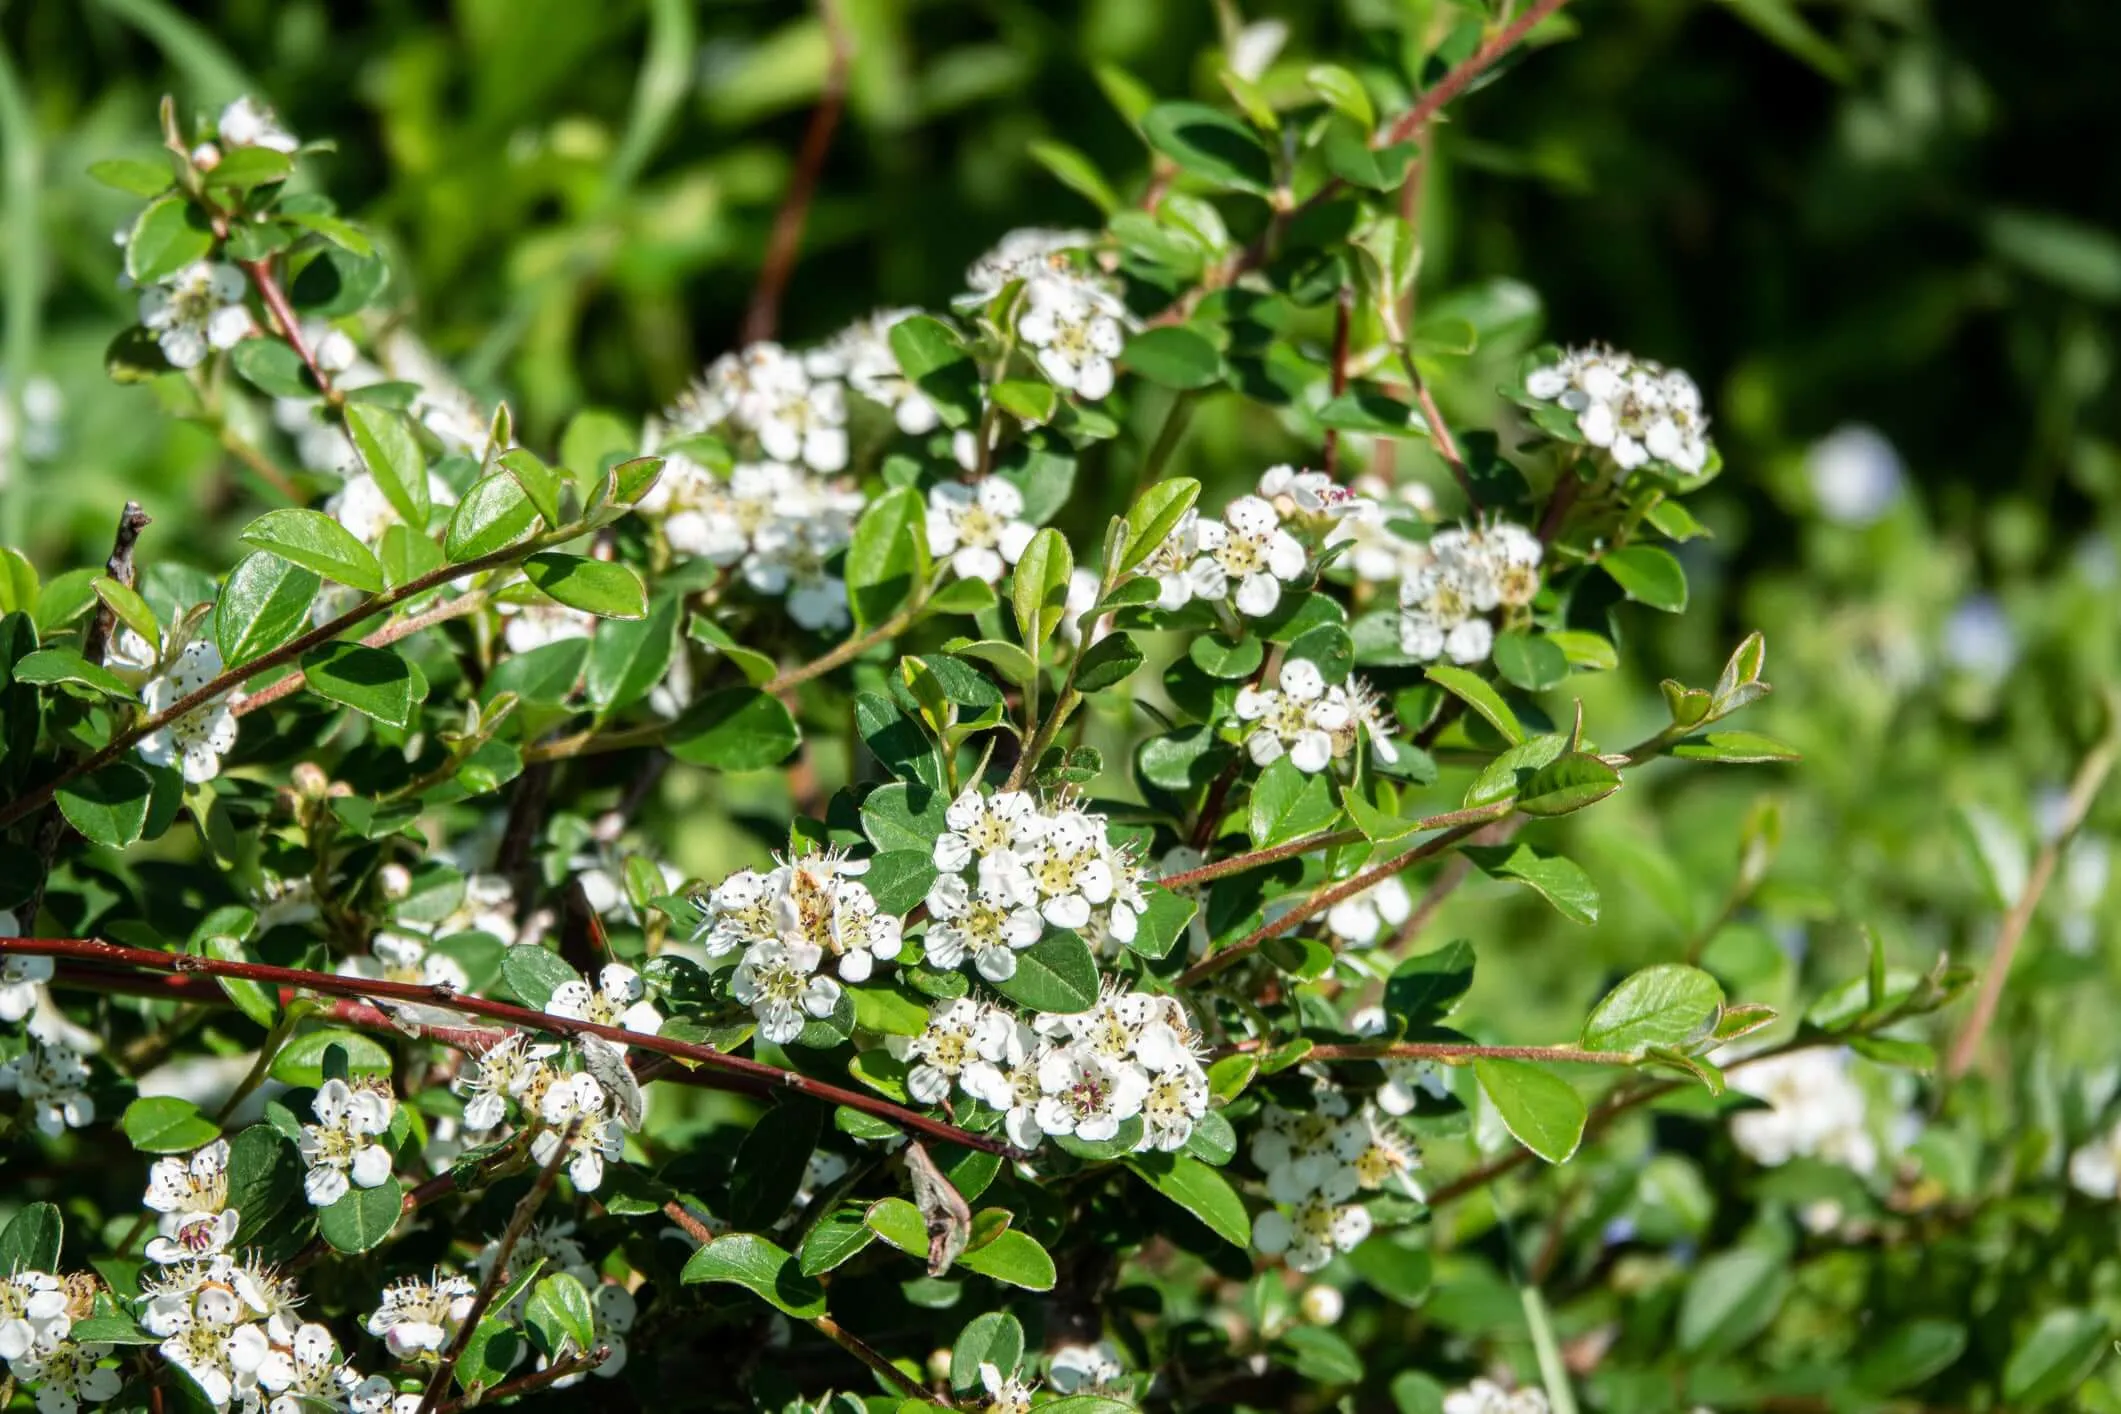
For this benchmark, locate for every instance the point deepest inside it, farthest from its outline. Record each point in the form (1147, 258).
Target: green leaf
(373, 681)
(897, 816)
(1038, 591)
(273, 368)
(392, 455)
(2054, 1357)
(266, 603)
(993, 1338)
(1227, 660)
(1907, 1355)
(834, 1238)
(131, 609)
(1210, 144)
(362, 1217)
(1075, 171)
(109, 808)
(265, 1186)
(317, 542)
(1108, 662)
(734, 729)
(1322, 1357)
(1559, 881)
(342, 234)
(1781, 23)
(539, 482)
(301, 1061)
(164, 1124)
(898, 880)
(1541, 1109)
(1731, 1298)
(32, 1239)
(1005, 657)
(48, 667)
(1288, 804)
(534, 973)
(628, 657)
(1163, 922)
(1174, 356)
(770, 1162)
(752, 1262)
(1566, 784)
(557, 1313)
(757, 668)
(1531, 661)
(1735, 749)
(1198, 1189)
(1649, 576)
(1424, 988)
(1056, 974)
(1476, 694)
(169, 235)
(600, 587)
(1014, 1258)
(1350, 157)
(493, 1350)
(131, 176)
(888, 560)
(244, 167)
(930, 353)
(1666, 1005)
(1151, 519)
(1343, 91)
(493, 514)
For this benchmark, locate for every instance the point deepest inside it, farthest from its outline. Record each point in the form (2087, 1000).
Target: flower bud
(206, 157)
(309, 779)
(395, 880)
(1322, 1305)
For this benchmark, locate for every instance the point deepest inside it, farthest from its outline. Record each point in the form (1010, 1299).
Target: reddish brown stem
(763, 316)
(1343, 316)
(750, 1073)
(390, 633)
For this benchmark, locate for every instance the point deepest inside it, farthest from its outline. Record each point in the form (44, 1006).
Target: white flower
(737, 912)
(958, 1034)
(53, 1080)
(777, 524)
(1077, 330)
(1247, 556)
(1071, 868)
(1979, 640)
(249, 123)
(793, 405)
(191, 1194)
(1486, 1397)
(1010, 1084)
(820, 902)
(418, 1318)
(1297, 719)
(341, 1146)
(1636, 410)
(306, 1371)
(578, 1101)
(1084, 1369)
(779, 982)
(68, 1374)
(1310, 495)
(1856, 475)
(1087, 1097)
(1358, 919)
(1020, 254)
(504, 1072)
(988, 930)
(2095, 1167)
(1815, 1109)
(864, 347)
(32, 1305)
(543, 622)
(22, 977)
(196, 741)
(1174, 1103)
(1376, 1153)
(1378, 553)
(1443, 602)
(1308, 1237)
(983, 827)
(979, 527)
(198, 309)
(402, 957)
(1171, 565)
(619, 999)
(1005, 1394)
(213, 1334)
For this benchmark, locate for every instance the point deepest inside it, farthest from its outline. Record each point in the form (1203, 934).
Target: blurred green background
(1883, 213)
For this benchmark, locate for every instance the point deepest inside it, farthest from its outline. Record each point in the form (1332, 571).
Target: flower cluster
(1466, 575)
(1486, 1397)
(1315, 1163)
(791, 922)
(863, 350)
(1009, 866)
(195, 742)
(1077, 328)
(1088, 1074)
(1814, 1109)
(37, 1315)
(1310, 723)
(196, 311)
(1245, 558)
(792, 407)
(589, 1111)
(1636, 410)
(980, 527)
(776, 524)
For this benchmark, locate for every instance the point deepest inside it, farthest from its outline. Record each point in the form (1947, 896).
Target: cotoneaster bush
(1066, 1029)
